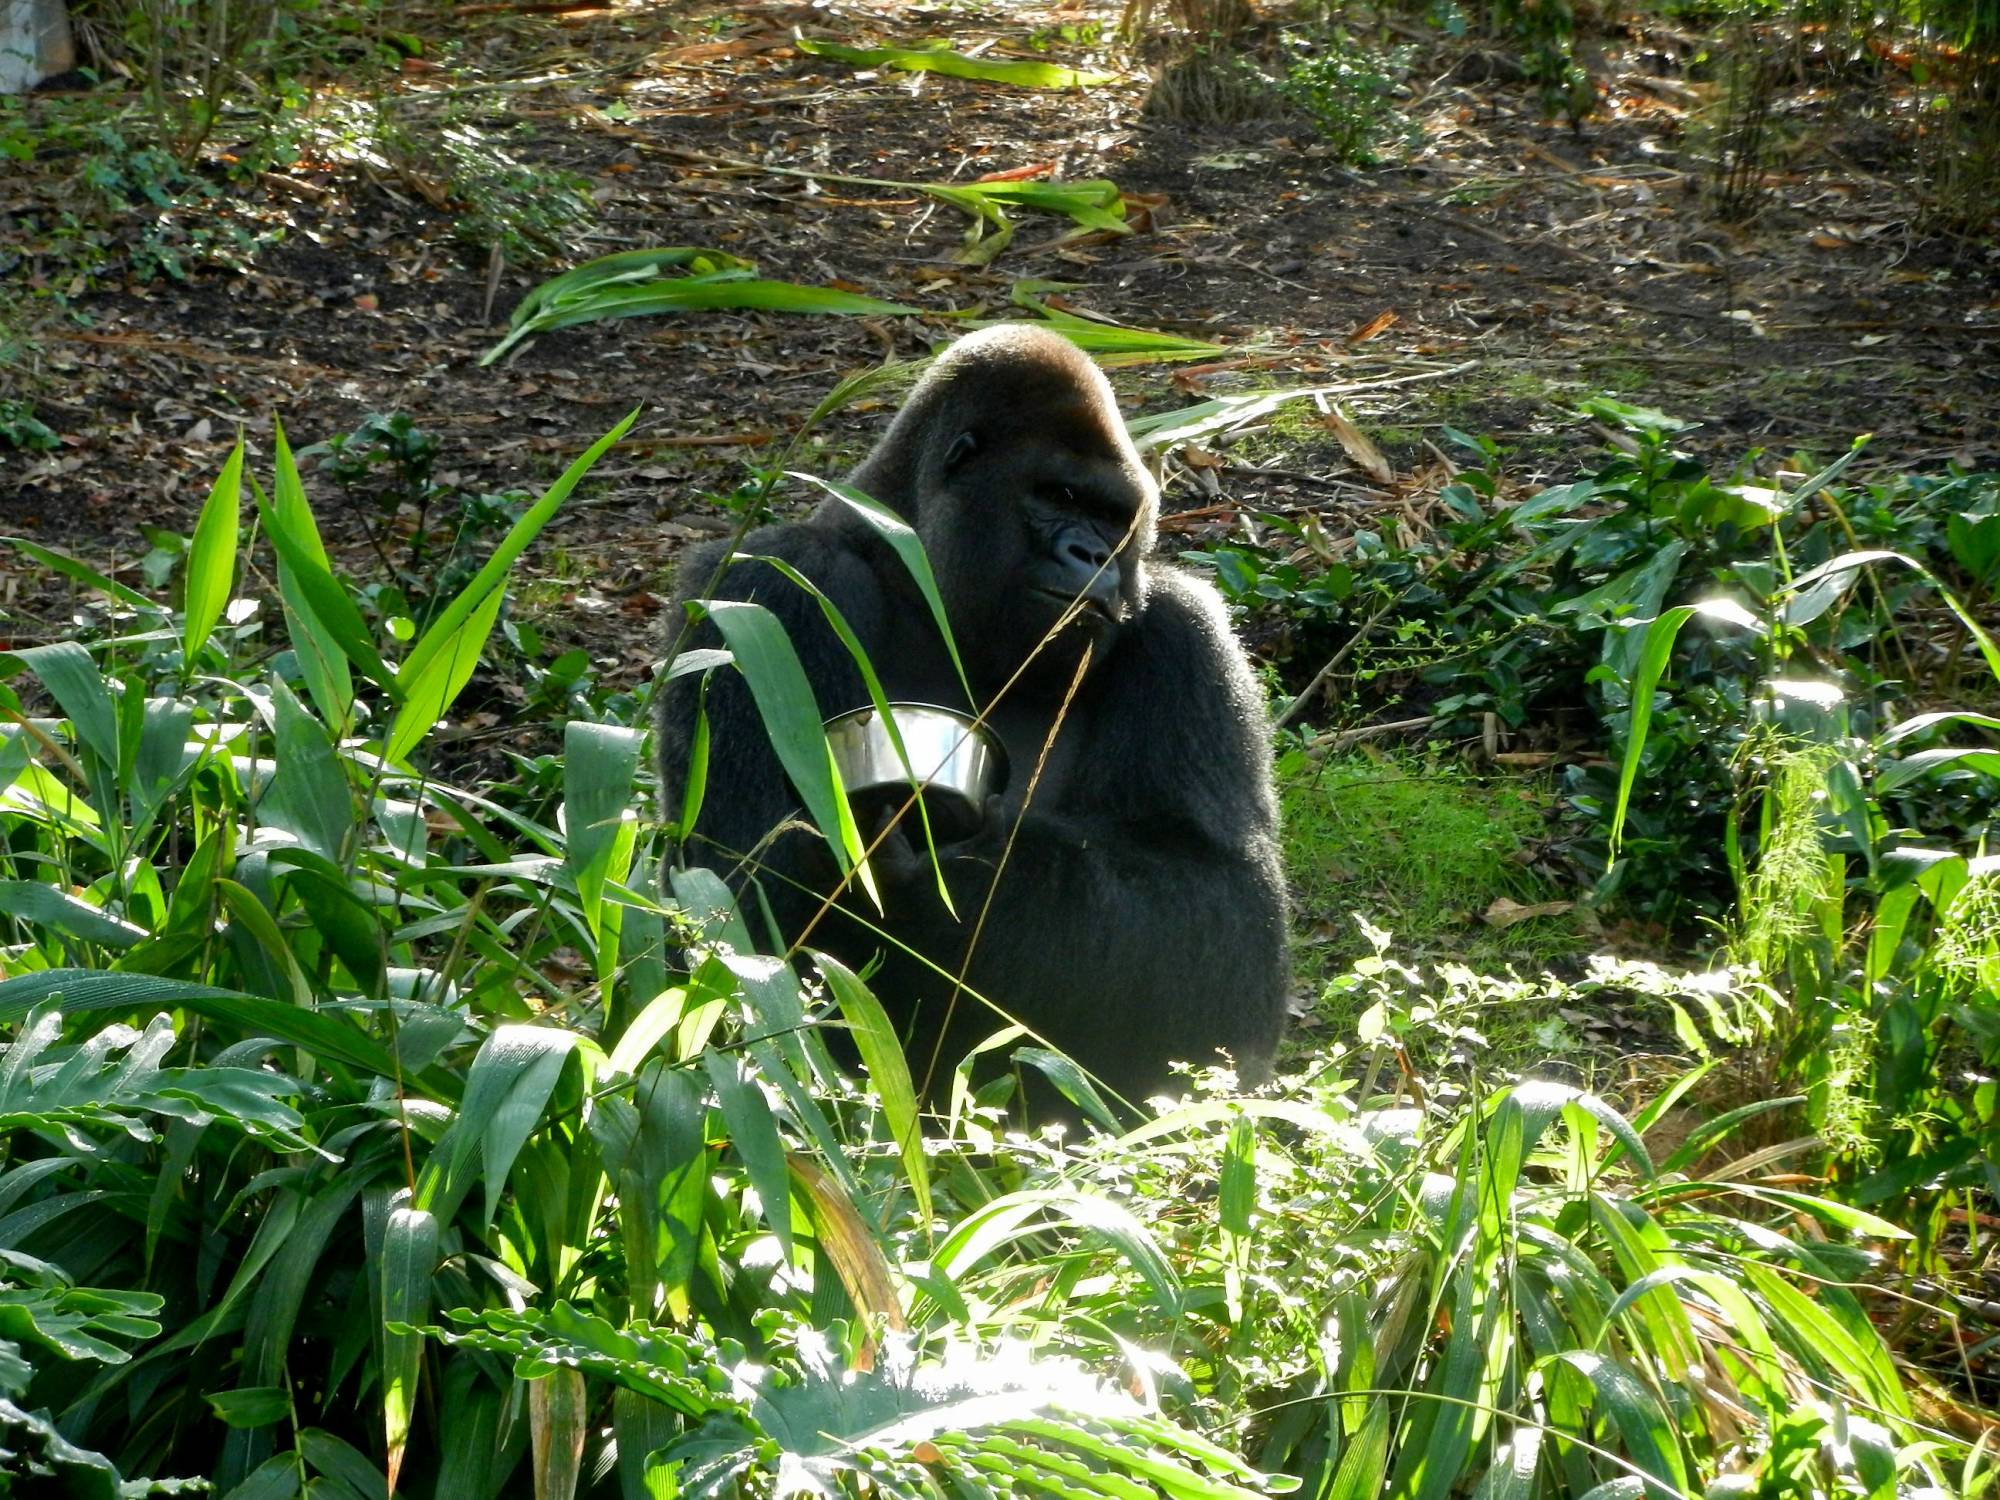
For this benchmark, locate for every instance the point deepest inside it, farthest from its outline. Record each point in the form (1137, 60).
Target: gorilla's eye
(962, 447)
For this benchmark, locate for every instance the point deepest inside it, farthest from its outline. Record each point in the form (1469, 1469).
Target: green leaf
(1648, 1435)
(443, 636)
(1236, 1193)
(327, 1036)
(1659, 645)
(903, 540)
(314, 590)
(317, 648)
(49, 906)
(754, 1131)
(431, 688)
(81, 572)
(251, 1406)
(506, 1091)
(725, 291)
(599, 824)
(1365, 1458)
(791, 715)
(338, 1460)
(938, 58)
(80, 692)
(1016, 1215)
(409, 1257)
(882, 1055)
(309, 796)
(211, 559)
(571, 287)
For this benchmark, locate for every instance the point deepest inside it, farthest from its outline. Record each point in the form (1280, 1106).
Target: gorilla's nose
(1083, 566)
(1087, 551)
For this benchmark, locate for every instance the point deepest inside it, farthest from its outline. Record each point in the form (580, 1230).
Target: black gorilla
(1140, 916)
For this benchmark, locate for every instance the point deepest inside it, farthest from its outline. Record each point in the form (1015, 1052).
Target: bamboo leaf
(211, 557)
(792, 718)
(882, 1055)
(754, 1131)
(316, 646)
(443, 631)
(1022, 73)
(409, 1255)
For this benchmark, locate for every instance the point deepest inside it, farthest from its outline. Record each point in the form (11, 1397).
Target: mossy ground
(1421, 847)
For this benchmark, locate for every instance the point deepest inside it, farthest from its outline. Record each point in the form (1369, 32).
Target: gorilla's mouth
(1094, 609)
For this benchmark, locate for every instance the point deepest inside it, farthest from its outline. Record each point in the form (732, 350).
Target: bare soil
(1508, 266)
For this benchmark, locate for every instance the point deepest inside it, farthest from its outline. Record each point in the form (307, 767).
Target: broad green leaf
(42, 905)
(1659, 645)
(903, 540)
(430, 689)
(314, 589)
(506, 1091)
(80, 692)
(784, 698)
(1365, 1459)
(882, 1055)
(1070, 1080)
(251, 1406)
(309, 796)
(941, 59)
(1236, 1193)
(81, 572)
(859, 654)
(1848, 561)
(317, 648)
(726, 291)
(339, 1460)
(211, 558)
(1017, 1215)
(754, 1132)
(1648, 1435)
(600, 826)
(409, 1256)
(646, 264)
(327, 1036)
(1512, 1476)
(441, 638)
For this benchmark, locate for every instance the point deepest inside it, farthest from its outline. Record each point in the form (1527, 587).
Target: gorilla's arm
(1141, 913)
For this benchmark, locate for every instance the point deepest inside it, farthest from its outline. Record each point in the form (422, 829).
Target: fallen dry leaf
(1367, 457)
(1381, 322)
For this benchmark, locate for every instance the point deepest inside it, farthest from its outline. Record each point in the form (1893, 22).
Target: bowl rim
(975, 728)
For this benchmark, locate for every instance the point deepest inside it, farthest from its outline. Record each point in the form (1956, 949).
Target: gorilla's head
(1012, 462)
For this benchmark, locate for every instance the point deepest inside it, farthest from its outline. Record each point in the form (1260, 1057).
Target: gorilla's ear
(962, 447)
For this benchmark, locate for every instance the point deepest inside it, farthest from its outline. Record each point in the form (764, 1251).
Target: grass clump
(1422, 847)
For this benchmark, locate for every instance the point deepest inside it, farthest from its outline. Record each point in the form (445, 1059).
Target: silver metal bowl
(958, 763)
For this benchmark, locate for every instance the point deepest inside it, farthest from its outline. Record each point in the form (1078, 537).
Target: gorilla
(1138, 914)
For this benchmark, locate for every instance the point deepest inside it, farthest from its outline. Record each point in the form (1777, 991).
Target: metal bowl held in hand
(959, 765)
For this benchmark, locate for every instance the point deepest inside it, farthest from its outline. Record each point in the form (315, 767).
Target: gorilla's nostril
(1095, 557)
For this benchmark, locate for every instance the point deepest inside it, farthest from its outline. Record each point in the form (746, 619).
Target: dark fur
(1141, 916)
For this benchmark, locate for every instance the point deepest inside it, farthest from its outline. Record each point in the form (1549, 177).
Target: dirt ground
(1510, 265)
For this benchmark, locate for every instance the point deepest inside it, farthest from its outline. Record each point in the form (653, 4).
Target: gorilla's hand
(901, 859)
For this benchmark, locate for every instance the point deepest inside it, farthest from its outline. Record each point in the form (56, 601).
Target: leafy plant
(1347, 90)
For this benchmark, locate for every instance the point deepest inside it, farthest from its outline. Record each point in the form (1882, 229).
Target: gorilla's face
(1039, 518)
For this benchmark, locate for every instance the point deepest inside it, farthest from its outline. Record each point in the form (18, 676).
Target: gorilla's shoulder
(1184, 614)
(813, 548)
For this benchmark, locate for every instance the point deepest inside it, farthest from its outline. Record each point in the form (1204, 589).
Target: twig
(1327, 744)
